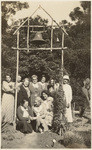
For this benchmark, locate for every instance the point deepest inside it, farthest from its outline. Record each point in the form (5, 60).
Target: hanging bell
(38, 40)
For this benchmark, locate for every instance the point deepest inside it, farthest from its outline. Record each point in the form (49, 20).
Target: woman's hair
(23, 102)
(49, 86)
(50, 81)
(38, 99)
(44, 91)
(34, 76)
(25, 79)
(43, 76)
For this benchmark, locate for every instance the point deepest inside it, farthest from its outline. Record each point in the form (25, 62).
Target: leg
(44, 125)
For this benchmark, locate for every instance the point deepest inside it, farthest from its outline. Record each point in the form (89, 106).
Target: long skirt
(68, 114)
(7, 108)
(24, 127)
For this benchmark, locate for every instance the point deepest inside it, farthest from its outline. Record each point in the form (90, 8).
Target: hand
(31, 118)
(28, 121)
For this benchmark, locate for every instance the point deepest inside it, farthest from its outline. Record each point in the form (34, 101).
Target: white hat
(66, 77)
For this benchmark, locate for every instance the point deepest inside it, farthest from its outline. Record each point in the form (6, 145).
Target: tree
(76, 58)
(8, 55)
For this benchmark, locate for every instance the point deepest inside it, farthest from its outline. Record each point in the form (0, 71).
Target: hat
(66, 77)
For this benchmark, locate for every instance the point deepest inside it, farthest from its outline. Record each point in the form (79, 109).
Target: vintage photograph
(45, 74)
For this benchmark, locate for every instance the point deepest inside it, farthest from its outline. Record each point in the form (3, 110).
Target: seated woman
(40, 113)
(25, 116)
(48, 102)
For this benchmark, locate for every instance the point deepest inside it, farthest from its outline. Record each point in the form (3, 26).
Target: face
(19, 79)
(26, 82)
(34, 80)
(8, 78)
(45, 96)
(52, 81)
(25, 104)
(43, 79)
(37, 102)
(65, 81)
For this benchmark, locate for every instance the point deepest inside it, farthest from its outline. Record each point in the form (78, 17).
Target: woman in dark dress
(24, 92)
(25, 117)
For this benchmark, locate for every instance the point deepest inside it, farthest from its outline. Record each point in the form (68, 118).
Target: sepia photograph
(45, 74)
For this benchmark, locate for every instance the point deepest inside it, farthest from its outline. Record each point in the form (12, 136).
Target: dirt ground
(78, 136)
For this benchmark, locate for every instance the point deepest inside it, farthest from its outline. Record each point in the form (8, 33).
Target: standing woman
(68, 97)
(35, 89)
(24, 92)
(8, 100)
(43, 82)
(55, 86)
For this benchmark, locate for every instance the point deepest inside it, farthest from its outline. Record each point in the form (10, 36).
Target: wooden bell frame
(17, 31)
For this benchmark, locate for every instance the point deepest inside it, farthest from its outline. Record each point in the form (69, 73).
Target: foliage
(59, 107)
(76, 57)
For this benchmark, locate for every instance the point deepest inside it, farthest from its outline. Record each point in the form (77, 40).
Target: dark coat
(20, 113)
(22, 94)
(22, 124)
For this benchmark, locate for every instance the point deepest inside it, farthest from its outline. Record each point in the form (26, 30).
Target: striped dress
(7, 106)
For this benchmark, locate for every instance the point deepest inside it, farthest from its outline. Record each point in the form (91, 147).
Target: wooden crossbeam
(54, 48)
(63, 30)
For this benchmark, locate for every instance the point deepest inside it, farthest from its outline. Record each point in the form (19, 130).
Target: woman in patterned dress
(8, 100)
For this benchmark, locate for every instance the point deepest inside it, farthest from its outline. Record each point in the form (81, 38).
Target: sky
(59, 10)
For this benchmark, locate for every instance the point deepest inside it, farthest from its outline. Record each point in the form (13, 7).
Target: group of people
(34, 102)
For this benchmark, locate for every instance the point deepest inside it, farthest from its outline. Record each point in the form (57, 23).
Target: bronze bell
(38, 40)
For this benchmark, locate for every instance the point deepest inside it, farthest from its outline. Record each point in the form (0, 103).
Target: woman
(43, 83)
(48, 102)
(19, 83)
(35, 89)
(24, 92)
(51, 91)
(40, 112)
(25, 116)
(55, 86)
(8, 100)
(68, 97)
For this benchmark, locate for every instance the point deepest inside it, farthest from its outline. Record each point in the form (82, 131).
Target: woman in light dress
(40, 112)
(35, 89)
(48, 102)
(43, 82)
(68, 97)
(7, 108)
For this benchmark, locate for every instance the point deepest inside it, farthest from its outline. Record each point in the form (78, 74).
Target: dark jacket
(20, 113)
(22, 94)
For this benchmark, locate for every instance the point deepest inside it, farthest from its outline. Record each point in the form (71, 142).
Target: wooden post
(28, 35)
(16, 80)
(52, 35)
(62, 56)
